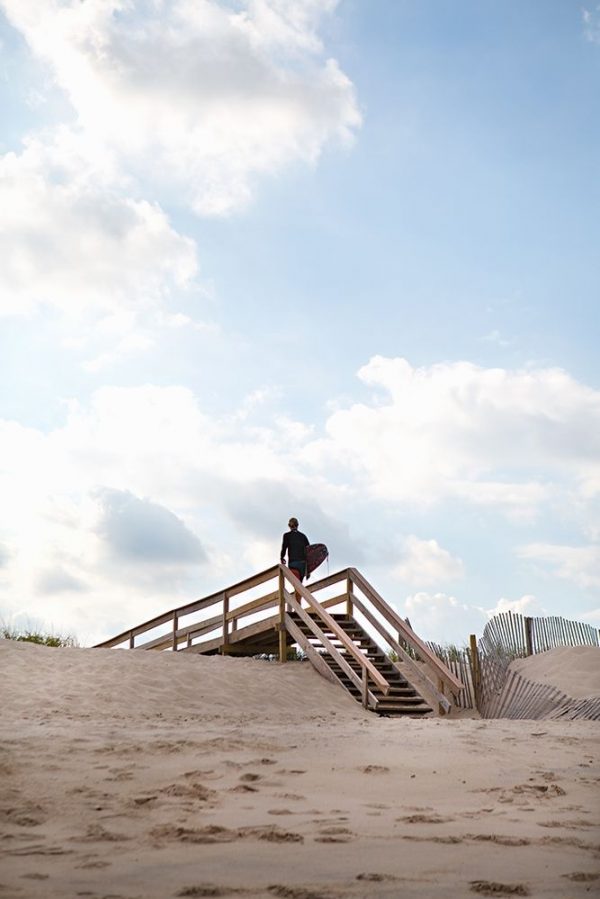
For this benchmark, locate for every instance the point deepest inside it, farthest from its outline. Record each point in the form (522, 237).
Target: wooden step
(401, 699)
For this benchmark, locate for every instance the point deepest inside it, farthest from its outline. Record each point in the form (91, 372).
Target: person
(294, 543)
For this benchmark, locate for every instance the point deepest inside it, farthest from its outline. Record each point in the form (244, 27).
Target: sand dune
(132, 774)
(574, 670)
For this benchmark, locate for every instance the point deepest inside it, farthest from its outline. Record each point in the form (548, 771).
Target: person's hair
(293, 523)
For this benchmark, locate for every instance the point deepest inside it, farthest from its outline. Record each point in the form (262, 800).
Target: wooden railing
(235, 623)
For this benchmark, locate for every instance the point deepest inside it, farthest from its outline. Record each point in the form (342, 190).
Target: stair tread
(401, 699)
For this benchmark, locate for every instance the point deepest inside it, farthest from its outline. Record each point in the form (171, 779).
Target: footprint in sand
(205, 889)
(425, 819)
(286, 892)
(98, 864)
(334, 835)
(375, 877)
(493, 888)
(374, 769)
(192, 790)
(96, 833)
(582, 876)
(250, 777)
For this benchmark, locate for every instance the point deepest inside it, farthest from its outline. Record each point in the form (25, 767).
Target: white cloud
(509, 439)
(443, 618)
(195, 96)
(425, 562)
(233, 483)
(526, 605)
(70, 242)
(591, 23)
(578, 564)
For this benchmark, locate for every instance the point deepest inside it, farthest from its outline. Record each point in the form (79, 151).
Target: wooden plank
(333, 626)
(254, 605)
(401, 653)
(408, 634)
(251, 630)
(314, 657)
(334, 601)
(190, 607)
(327, 581)
(333, 652)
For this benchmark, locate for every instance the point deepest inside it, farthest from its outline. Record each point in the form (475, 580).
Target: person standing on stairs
(294, 543)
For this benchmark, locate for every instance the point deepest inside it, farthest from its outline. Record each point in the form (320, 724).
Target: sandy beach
(133, 775)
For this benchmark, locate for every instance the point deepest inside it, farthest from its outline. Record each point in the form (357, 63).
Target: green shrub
(31, 636)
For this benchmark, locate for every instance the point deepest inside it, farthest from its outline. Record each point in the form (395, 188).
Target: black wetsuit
(295, 543)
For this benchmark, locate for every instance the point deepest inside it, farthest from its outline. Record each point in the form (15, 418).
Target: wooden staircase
(401, 698)
(404, 678)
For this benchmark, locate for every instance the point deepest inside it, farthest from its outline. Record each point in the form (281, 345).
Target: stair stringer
(316, 659)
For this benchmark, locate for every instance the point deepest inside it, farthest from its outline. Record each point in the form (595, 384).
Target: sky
(336, 260)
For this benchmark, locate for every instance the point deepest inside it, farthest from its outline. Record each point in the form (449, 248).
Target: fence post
(475, 671)
(365, 689)
(528, 643)
(131, 640)
(282, 630)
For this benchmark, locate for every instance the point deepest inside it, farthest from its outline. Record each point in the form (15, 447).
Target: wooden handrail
(392, 617)
(402, 654)
(333, 626)
(350, 576)
(188, 608)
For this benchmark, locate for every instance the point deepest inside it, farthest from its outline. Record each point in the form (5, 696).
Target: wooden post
(282, 630)
(528, 643)
(175, 626)
(225, 643)
(441, 688)
(349, 591)
(365, 689)
(131, 639)
(475, 673)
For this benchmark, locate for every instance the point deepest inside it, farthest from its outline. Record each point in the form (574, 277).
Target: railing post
(441, 688)
(131, 639)
(225, 642)
(349, 591)
(175, 626)
(365, 689)
(282, 630)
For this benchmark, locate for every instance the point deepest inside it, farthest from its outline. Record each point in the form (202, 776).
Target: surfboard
(316, 553)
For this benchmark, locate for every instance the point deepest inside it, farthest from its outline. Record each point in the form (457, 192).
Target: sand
(137, 774)
(573, 670)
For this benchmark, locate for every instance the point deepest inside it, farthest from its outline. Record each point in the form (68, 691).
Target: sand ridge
(132, 775)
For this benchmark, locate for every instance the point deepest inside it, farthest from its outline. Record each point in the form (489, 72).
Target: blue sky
(329, 259)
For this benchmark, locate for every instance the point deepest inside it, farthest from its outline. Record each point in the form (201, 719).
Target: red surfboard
(316, 553)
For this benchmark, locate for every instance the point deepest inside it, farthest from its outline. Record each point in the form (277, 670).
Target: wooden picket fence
(496, 692)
